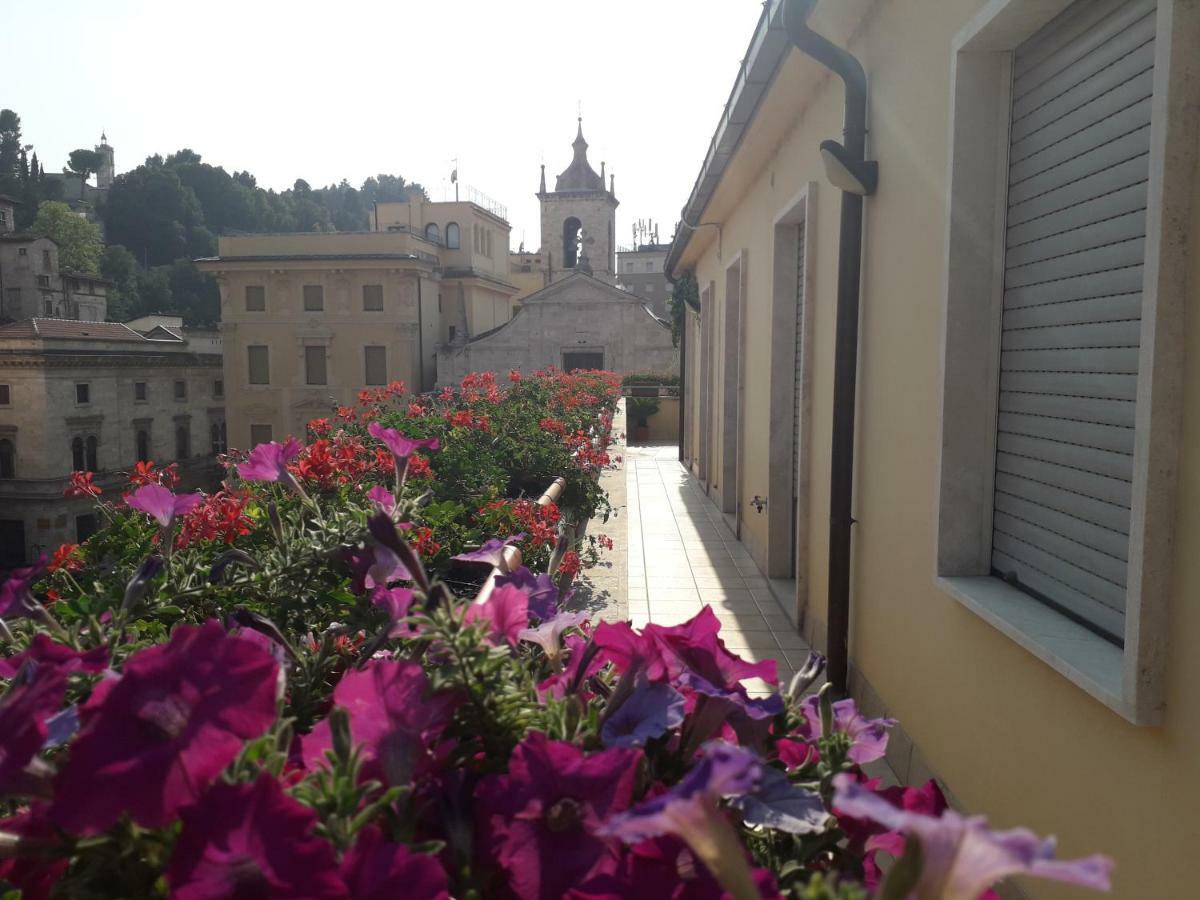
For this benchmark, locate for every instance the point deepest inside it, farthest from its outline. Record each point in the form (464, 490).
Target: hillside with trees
(168, 211)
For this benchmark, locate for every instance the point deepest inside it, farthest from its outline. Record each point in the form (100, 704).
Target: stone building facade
(578, 322)
(578, 217)
(97, 396)
(309, 320)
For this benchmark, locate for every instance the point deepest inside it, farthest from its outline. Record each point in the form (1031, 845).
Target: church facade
(573, 315)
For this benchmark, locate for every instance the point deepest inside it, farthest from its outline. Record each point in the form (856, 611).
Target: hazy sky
(332, 90)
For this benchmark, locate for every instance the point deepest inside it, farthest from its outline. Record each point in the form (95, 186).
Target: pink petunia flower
(44, 651)
(961, 857)
(161, 505)
(247, 841)
(153, 739)
(868, 737)
(402, 447)
(507, 609)
(548, 635)
(393, 716)
(268, 462)
(16, 593)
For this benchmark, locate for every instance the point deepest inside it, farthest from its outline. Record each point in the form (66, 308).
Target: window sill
(1082, 657)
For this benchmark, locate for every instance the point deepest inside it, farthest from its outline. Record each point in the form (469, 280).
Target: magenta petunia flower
(375, 566)
(24, 709)
(539, 821)
(665, 868)
(45, 652)
(392, 714)
(543, 593)
(375, 869)
(402, 447)
(548, 635)
(868, 737)
(396, 602)
(583, 661)
(16, 593)
(35, 875)
(384, 500)
(153, 739)
(252, 842)
(268, 462)
(961, 856)
(160, 504)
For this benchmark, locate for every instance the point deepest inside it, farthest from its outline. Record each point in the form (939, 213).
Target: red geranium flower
(81, 486)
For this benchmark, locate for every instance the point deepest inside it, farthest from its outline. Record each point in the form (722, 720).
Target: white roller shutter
(1075, 246)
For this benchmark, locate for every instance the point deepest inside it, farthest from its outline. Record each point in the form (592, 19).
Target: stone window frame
(179, 390)
(87, 391)
(260, 298)
(145, 426)
(6, 393)
(9, 433)
(306, 296)
(384, 348)
(145, 386)
(382, 302)
(1129, 681)
(250, 367)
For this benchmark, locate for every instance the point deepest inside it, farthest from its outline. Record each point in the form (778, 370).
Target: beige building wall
(1009, 734)
(530, 272)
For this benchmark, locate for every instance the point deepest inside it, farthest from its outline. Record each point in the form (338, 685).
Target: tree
(152, 212)
(10, 151)
(120, 267)
(79, 244)
(83, 162)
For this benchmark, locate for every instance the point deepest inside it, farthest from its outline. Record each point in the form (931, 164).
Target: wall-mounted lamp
(856, 176)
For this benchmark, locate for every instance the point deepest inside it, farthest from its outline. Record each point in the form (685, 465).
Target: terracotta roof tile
(70, 329)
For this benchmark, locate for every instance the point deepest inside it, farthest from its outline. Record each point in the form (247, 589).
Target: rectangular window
(372, 297)
(258, 361)
(376, 365)
(46, 261)
(139, 392)
(218, 389)
(43, 281)
(85, 526)
(314, 298)
(23, 251)
(256, 298)
(180, 390)
(650, 266)
(5, 395)
(260, 434)
(314, 365)
(83, 393)
(628, 267)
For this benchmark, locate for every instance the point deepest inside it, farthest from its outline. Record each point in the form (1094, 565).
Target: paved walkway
(683, 555)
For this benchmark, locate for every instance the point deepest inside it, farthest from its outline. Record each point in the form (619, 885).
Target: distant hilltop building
(76, 192)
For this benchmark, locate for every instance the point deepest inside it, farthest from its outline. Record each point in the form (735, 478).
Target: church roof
(579, 175)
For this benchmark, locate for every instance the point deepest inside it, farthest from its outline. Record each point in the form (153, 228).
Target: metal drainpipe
(845, 366)
(682, 366)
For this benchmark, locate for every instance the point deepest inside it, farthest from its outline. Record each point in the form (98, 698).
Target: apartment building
(958, 379)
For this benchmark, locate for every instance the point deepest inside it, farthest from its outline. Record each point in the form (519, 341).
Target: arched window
(453, 242)
(8, 459)
(432, 233)
(217, 432)
(143, 445)
(92, 446)
(77, 460)
(183, 442)
(571, 229)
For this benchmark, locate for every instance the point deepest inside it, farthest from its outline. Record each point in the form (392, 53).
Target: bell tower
(107, 171)
(578, 218)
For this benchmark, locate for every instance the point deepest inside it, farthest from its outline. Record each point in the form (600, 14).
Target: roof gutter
(848, 169)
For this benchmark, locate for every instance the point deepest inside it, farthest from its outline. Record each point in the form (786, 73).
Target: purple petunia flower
(507, 609)
(24, 709)
(689, 808)
(35, 875)
(548, 635)
(402, 447)
(539, 822)
(375, 869)
(268, 462)
(868, 737)
(491, 552)
(252, 841)
(651, 710)
(393, 716)
(16, 594)
(154, 738)
(961, 857)
(161, 505)
(544, 597)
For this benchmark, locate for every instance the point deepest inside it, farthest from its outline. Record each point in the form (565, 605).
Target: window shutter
(1076, 231)
(376, 365)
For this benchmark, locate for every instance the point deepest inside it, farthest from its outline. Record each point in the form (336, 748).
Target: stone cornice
(80, 361)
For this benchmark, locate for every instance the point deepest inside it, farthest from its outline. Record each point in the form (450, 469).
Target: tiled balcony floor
(682, 555)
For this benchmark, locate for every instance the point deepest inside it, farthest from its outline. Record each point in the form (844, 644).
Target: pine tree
(24, 167)
(34, 170)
